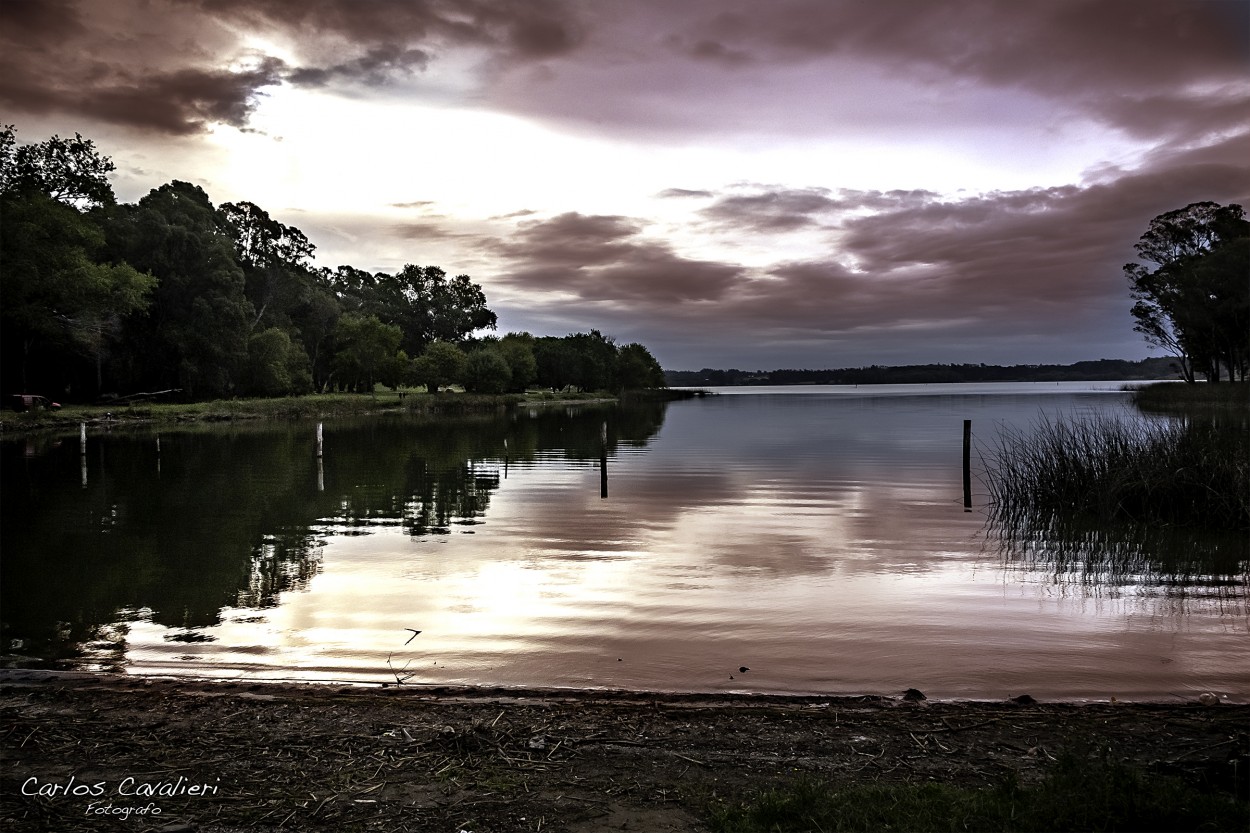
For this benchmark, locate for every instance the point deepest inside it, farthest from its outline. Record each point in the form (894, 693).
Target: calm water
(815, 535)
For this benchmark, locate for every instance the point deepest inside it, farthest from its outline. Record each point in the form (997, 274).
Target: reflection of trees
(283, 562)
(224, 517)
(429, 475)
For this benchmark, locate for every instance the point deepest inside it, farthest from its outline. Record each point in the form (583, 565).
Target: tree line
(1098, 370)
(173, 293)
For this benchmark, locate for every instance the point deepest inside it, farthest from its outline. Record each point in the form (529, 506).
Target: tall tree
(366, 349)
(70, 171)
(276, 261)
(427, 306)
(637, 369)
(196, 336)
(1195, 303)
(61, 299)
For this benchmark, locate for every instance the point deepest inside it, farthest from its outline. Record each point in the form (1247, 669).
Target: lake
(815, 536)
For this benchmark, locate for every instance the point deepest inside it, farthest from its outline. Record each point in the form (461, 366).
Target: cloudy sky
(795, 183)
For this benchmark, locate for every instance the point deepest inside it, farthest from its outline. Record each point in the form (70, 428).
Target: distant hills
(1102, 370)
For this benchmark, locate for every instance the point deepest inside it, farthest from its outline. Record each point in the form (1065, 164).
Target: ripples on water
(816, 536)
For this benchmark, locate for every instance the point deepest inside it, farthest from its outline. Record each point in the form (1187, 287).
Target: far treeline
(177, 295)
(915, 374)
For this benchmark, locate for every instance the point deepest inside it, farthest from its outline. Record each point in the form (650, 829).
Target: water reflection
(818, 539)
(1180, 564)
(236, 517)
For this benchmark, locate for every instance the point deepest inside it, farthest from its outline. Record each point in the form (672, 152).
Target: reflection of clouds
(814, 550)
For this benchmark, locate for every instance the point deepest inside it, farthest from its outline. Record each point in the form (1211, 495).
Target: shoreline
(335, 757)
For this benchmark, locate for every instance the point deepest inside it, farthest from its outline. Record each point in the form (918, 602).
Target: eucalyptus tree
(1195, 302)
(62, 300)
(195, 337)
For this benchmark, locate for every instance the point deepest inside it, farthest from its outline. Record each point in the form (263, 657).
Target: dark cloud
(174, 67)
(1134, 44)
(160, 72)
(427, 231)
(379, 65)
(1081, 50)
(909, 276)
(795, 66)
(771, 210)
(39, 19)
(682, 193)
(184, 101)
(605, 258)
(524, 30)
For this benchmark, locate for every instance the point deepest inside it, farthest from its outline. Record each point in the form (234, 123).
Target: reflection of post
(321, 475)
(505, 458)
(319, 440)
(158, 453)
(82, 450)
(967, 465)
(603, 461)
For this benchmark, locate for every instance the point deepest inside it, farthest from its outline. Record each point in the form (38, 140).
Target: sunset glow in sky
(800, 183)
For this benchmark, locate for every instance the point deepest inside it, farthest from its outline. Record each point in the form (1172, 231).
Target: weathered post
(82, 451)
(603, 461)
(967, 465)
(319, 440)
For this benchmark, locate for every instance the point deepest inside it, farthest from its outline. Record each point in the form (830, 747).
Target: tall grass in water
(1101, 501)
(1192, 473)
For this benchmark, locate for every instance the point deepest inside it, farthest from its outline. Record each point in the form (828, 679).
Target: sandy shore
(93, 752)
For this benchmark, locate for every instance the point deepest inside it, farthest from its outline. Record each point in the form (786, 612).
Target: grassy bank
(1077, 793)
(1177, 397)
(292, 407)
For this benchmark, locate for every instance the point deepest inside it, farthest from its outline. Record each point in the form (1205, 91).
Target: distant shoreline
(1102, 370)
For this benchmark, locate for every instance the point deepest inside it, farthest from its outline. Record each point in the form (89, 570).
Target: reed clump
(1190, 473)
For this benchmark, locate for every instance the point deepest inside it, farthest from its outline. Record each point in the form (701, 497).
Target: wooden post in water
(603, 462)
(82, 451)
(967, 465)
(319, 440)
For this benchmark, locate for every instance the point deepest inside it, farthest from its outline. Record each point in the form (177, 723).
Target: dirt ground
(87, 752)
